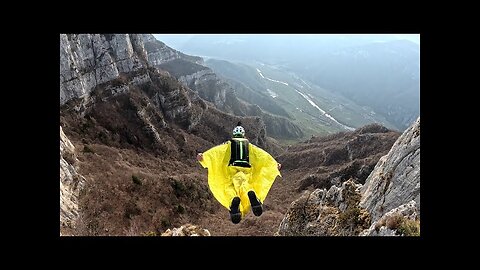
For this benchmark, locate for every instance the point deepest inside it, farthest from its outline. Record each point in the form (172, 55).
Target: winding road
(306, 97)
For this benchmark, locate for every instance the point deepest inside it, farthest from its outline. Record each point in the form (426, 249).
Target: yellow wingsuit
(226, 182)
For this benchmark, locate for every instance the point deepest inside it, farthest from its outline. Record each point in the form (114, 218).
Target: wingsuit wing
(216, 160)
(264, 171)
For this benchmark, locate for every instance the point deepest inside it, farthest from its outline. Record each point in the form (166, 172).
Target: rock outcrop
(387, 204)
(187, 230)
(401, 221)
(279, 127)
(159, 52)
(90, 60)
(395, 179)
(70, 185)
(326, 213)
(211, 88)
(190, 71)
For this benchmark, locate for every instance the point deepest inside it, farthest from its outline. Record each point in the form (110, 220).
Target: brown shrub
(393, 222)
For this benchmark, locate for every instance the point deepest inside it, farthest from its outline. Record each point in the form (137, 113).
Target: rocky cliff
(114, 65)
(71, 182)
(159, 52)
(89, 60)
(387, 204)
(394, 184)
(139, 130)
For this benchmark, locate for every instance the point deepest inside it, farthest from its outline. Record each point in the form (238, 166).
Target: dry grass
(325, 161)
(400, 224)
(409, 228)
(128, 193)
(137, 185)
(393, 222)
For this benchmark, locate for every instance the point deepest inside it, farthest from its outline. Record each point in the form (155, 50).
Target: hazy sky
(412, 37)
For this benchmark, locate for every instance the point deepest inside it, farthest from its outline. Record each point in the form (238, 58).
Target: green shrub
(136, 180)
(178, 187)
(87, 149)
(165, 222)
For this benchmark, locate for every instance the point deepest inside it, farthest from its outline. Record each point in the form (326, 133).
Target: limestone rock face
(89, 60)
(159, 52)
(70, 184)
(395, 180)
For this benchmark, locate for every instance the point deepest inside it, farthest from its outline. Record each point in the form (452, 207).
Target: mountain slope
(90, 60)
(247, 84)
(210, 87)
(314, 109)
(136, 133)
(330, 160)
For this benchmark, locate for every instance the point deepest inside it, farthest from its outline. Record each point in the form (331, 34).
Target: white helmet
(238, 131)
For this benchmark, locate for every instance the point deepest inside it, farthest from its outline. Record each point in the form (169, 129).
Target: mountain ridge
(210, 87)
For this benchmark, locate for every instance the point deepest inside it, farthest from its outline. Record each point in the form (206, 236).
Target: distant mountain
(314, 109)
(377, 71)
(269, 48)
(382, 75)
(159, 53)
